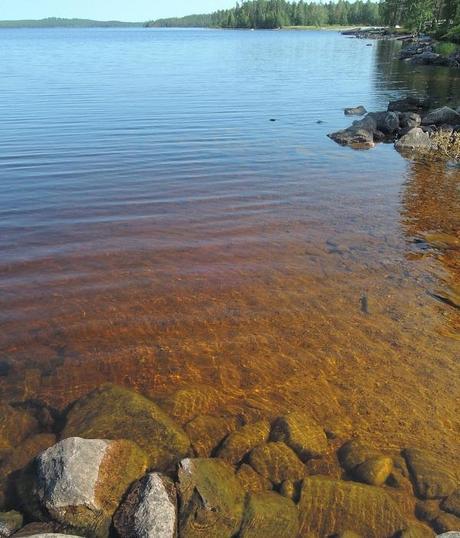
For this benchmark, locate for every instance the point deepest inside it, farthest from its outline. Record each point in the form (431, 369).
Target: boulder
(431, 476)
(19, 458)
(112, 412)
(387, 122)
(452, 503)
(239, 443)
(355, 137)
(15, 426)
(149, 509)
(277, 462)
(354, 453)
(10, 522)
(79, 483)
(252, 481)
(207, 432)
(329, 507)
(409, 104)
(415, 140)
(290, 490)
(410, 120)
(211, 499)
(446, 523)
(427, 57)
(269, 515)
(302, 433)
(355, 111)
(374, 471)
(440, 116)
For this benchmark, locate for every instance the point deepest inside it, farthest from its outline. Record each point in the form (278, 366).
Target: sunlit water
(159, 231)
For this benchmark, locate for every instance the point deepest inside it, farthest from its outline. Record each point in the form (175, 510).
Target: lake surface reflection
(159, 231)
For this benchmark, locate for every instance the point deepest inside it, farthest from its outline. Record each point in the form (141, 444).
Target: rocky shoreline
(118, 464)
(411, 124)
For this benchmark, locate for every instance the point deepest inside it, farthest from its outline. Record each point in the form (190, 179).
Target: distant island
(53, 22)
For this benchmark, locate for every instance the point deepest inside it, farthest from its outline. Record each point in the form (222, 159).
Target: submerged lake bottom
(159, 232)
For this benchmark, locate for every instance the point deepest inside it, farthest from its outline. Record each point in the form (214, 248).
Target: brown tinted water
(161, 233)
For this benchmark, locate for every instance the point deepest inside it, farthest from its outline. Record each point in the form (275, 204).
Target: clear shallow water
(158, 230)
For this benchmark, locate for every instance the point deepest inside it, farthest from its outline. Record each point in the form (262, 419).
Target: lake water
(158, 230)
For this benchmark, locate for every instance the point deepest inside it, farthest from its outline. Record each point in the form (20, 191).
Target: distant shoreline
(53, 22)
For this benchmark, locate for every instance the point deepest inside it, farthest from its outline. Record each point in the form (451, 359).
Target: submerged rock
(15, 426)
(80, 482)
(329, 507)
(251, 480)
(446, 523)
(416, 531)
(149, 510)
(409, 104)
(112, 412)
(277, 462)
(374, 471)
(269, 515)
(355, 111)
(452, 503)
(10, 522)
(239, 443)
(432, 477)
(206, 433)
(441, 116)
(187, 403)
(302, 433)
(211, 499)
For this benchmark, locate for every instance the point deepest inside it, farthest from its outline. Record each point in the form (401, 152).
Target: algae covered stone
(446, 523)
(239, 443)
(211, 499)
(15, 426)
(277, 462)
(79, 483)
(301, 433)
(432, 477)
(251, 480)
(329, 507)
(149, 509)
(206, 433)
(452, 503)
(112, 412)
(10, 522)
(269, 515)
(374, 471)
(416, 531)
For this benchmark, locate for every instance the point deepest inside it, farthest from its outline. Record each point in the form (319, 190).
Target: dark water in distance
(158, 230)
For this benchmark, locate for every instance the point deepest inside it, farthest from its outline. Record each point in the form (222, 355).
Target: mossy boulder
(452, 503)
(239, 443)
(187, 403)
(277, 462)
(432, 477)
(112, 412)
(301, 433)
(446, 523)
(207, 432)
(427, 510)
(329, 507)
(354, 453)
(211, 499)
(79, 483)
(10, 522)
(269, 515)
(365, 464)
(252, 481)
(149, 509)
(15, 426)
(19, 458)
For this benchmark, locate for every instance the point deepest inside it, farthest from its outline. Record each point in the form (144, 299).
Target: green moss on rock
(239, 443)
(269, 515)
(251, 481)
(211, 499)
(329, 507)
(207, 432)
(277, 462)
(301, 433)
(374, 471)
(112, 412)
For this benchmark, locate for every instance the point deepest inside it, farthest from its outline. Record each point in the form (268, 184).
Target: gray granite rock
(440, 116)
(415, 140)
(149, 510)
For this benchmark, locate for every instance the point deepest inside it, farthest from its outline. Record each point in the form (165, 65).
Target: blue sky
(126, 10)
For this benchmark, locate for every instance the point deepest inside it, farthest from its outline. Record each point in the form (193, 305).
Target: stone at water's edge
(269, 515)
(149, 509)
(415, 140)
(79, 483)
(239, 443)
(211, 499)
(355, 111)
(442, 116)
(301, 433)
(329, 507)
(431, 476)
(207, 432)
(374, 471)
(112, 412)
(277, 462)
(409, 104)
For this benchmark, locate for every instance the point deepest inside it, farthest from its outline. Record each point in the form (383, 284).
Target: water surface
(158, 230)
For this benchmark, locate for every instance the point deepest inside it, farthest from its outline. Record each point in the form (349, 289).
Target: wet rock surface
(114, 411)
(277, 462)
(10, 522)
(239, 443)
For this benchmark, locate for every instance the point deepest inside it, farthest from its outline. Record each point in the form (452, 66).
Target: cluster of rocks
(409, 123)
(118, 464)
(376, 33)
(422, 51)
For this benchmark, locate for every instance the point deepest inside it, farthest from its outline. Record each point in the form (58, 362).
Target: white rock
(452, 534)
